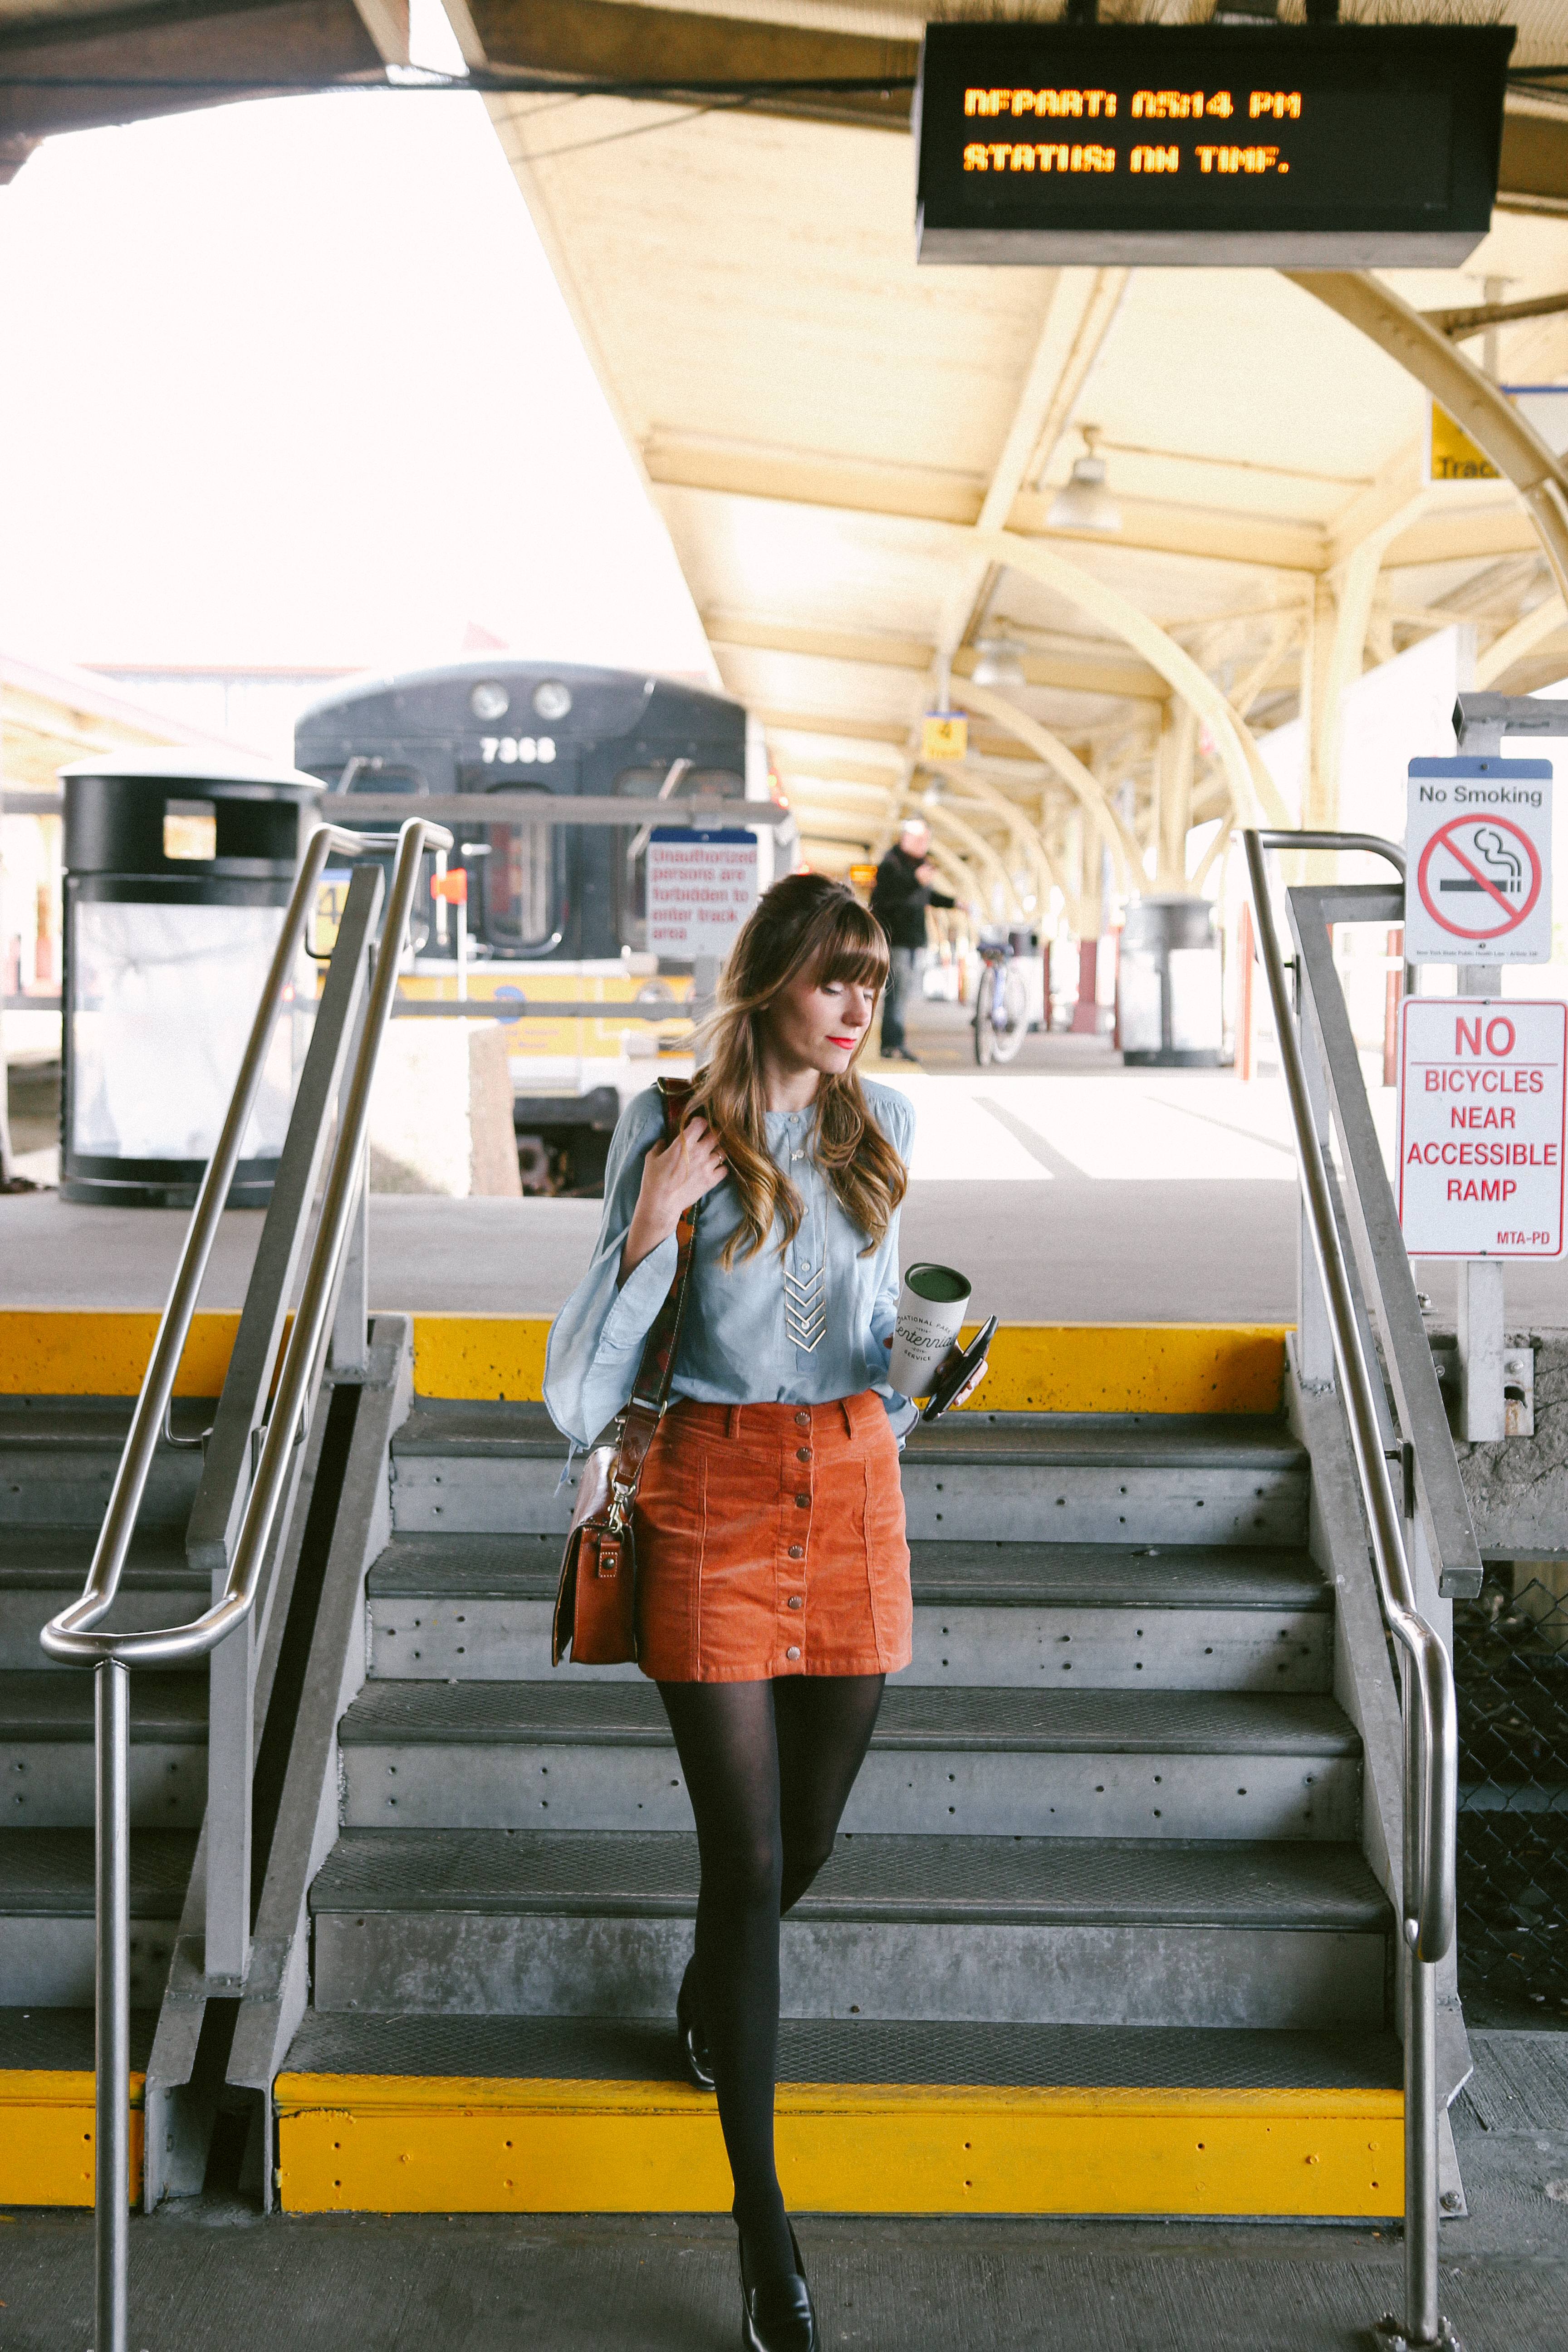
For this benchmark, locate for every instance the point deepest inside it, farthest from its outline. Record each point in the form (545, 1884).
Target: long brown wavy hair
(806, 925)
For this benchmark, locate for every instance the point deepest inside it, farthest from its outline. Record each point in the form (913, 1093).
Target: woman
(774, 1588)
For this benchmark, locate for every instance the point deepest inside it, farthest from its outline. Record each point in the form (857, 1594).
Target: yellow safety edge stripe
(1034, 1367)
(39, 2086)
(46, 2143)
(390, 2145)
(422, 2094)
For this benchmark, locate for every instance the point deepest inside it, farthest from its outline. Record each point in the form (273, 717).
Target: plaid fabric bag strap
(650, 1390)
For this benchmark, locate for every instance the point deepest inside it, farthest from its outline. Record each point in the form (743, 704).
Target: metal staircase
(1107, 1841)
(58, 1461)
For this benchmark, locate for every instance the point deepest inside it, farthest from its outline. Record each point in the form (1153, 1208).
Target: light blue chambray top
(737, 1347)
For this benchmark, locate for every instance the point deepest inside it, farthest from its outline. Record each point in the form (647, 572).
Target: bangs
(850, 946)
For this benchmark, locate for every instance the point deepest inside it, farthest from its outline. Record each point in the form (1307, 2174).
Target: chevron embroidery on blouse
(805, 1308)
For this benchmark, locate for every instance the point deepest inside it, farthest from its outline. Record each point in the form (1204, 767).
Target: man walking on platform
(903, 892)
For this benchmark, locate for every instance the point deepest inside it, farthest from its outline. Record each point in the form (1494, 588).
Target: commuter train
(555, 913)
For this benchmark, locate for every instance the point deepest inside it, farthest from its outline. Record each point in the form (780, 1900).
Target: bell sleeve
(596, 1341)
(896, 1120)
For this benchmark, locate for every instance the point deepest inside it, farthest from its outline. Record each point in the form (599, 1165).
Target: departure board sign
(1285, 146)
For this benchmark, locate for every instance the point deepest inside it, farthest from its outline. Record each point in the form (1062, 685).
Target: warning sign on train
(1477, 849)
(701, 889)
(1482, 1135)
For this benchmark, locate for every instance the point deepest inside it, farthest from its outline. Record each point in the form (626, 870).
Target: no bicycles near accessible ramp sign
(1481, 1133)
(1478, 847)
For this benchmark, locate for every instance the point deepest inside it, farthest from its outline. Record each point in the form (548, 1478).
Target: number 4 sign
(1477, 849)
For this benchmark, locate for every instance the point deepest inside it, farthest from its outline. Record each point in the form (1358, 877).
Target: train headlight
(552, 700)
(489, 700)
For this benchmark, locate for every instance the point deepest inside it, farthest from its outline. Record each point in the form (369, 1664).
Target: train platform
(1071, 1188)
(208, 2275)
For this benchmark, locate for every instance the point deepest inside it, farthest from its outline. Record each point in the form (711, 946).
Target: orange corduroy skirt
(770, 1541)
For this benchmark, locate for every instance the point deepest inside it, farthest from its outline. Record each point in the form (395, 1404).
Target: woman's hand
(674, 1175)
(970, 1385)
(951, 1359)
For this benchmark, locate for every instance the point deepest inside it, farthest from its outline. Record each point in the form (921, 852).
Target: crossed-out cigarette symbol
(1506, 870)
(1498, 863)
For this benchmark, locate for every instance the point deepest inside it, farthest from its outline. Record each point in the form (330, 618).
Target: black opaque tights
(769, 1767)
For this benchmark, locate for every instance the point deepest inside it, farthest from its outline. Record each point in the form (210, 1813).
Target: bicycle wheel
(1010, 1017)
(985, 1034)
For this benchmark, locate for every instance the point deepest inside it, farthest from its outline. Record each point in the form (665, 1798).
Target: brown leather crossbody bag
(595, 1600)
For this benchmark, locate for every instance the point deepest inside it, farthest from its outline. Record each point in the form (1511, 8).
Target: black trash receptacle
(1168, 995)
(177, 867)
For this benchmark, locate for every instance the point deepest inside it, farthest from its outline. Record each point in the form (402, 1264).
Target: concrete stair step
(995, 1930)
(47, 1914)
(47, 1755)
(1112, 1478)
(42, 1569)
(478, 1608)
(59, 1456)
(848, 2050)
(991, 1763)
(482, 1430)
(555, 2114)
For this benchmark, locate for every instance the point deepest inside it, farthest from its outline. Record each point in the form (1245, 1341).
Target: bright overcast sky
(295, 384)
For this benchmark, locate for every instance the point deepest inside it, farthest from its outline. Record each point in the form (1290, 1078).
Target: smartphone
(962, 1369)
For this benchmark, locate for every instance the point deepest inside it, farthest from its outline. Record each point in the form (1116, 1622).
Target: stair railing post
(1314, 1332)
(1423, 2322)
(112, 2130)
(231, 1740)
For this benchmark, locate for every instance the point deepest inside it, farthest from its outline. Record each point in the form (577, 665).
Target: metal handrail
(112, 1655)
(1373, 842)
(1430, 1717)
(66, 1636)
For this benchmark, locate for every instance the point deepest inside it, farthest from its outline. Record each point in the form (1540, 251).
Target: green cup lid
(940, 1286)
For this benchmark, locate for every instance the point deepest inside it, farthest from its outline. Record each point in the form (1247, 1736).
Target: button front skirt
(770, 1541)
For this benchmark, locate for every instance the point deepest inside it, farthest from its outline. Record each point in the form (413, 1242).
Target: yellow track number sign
(944, 735)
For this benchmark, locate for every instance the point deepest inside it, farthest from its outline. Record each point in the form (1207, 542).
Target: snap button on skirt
(770, 1541)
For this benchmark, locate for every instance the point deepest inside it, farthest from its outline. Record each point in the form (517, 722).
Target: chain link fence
(1510, 1671)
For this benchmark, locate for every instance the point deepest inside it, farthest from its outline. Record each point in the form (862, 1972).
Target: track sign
(1481, 1127)
(944, 735)
(1477, 849)
(701, 889)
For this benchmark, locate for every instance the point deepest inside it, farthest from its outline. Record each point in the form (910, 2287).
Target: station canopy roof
(835, 437)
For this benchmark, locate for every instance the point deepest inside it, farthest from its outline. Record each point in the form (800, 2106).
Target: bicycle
(1000, 1006)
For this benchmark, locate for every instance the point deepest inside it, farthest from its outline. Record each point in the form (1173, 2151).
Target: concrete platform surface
(210, 2276)
(1073, 1192)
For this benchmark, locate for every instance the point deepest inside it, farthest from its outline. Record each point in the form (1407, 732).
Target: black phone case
(973, 1355)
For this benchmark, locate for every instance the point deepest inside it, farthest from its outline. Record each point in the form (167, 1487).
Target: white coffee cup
(933, 1303)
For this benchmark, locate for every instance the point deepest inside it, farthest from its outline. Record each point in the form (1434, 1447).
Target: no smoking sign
(1478, 846)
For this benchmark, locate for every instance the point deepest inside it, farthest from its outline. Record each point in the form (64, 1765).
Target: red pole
(1086, 1017)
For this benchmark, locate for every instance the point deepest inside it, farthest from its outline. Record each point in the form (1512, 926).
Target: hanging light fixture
(1000, 663)
(1083, 503)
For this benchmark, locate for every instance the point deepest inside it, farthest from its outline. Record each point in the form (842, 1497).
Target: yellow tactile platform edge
(78, 1352)
(47, 2125)
(1034, 1367)
(392, 2144)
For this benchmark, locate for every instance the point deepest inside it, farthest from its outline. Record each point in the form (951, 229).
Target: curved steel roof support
(1472, 399)
(1343, 664)
(1025, 836)
(1097, 804)
(1524, 637)
(1251, 786)
(973, 842)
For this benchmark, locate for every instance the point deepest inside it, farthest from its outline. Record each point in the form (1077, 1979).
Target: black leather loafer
(780, 2315)
(688, 2029)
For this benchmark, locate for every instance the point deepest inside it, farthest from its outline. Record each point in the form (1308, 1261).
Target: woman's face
(818, 1028)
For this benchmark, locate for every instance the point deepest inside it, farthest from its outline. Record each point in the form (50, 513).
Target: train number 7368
(513, 751)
